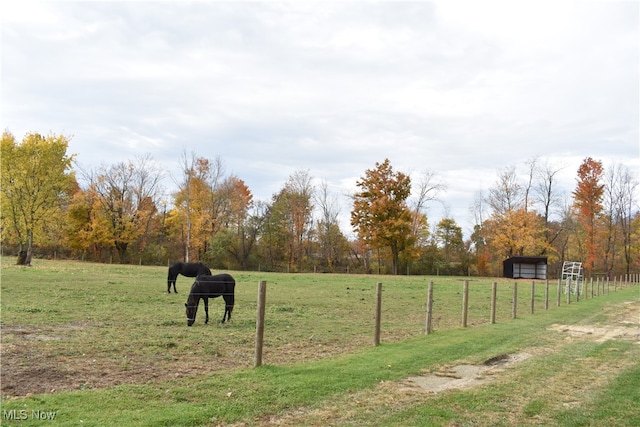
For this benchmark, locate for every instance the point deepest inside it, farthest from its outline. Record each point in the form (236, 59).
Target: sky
(463, 90)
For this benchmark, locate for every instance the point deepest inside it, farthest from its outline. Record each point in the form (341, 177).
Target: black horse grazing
(206, 287)
(188, 269)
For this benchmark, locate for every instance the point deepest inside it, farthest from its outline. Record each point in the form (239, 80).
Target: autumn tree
(126, 194)
(514, 226)
(84, 234)
(545, 189)
(518, 232)
(618, 205)
(428, 189)
(199, 205)
(507, 193)
(380, 215)
(588, 202)
(478, 240)
(234, 200)
(333, 246)
(238, 229)
(627, 202)
(289, 221)
(546, 194)
(36, 181)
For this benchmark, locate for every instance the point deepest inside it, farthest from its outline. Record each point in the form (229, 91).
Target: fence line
(602, 287)
(626, 281)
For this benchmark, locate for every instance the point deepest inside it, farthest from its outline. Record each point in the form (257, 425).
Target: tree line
(119, 213)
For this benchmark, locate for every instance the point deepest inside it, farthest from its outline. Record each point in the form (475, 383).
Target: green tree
(380, 215)
(449, 238)
(36, 181)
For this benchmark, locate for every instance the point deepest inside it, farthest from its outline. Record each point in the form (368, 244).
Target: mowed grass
(116, 311)
(130, 359)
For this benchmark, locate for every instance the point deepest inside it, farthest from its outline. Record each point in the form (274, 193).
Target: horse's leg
(228, 307)
(206, 310)
(171, 280)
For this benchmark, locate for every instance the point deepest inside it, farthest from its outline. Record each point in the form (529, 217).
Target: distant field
(71, 326)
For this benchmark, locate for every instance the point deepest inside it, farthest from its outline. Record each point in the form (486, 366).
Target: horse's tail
(173, 271)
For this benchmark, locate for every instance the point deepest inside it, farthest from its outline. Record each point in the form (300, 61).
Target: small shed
(525, 267)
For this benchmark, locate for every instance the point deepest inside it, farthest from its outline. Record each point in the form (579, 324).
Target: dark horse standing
(206, 287)
(188, 269)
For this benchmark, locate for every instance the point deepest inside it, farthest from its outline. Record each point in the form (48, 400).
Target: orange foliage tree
(380, 214)
(588, 201)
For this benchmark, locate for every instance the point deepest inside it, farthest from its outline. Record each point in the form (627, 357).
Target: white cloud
(462, 88)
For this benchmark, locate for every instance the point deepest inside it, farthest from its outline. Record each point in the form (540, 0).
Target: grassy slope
(345, 390)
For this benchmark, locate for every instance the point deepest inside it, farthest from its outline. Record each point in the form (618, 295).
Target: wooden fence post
(494, 293)
(376, 338)
(546, 295)
(262, 296)
(465, 303)
(427, 326)
(533, 295)
(514, 303)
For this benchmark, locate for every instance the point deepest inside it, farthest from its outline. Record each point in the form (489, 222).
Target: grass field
(107, 345)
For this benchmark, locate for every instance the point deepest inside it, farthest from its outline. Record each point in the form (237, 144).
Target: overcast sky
(464, 89)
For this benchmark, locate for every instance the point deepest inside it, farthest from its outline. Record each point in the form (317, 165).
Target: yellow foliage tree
(517, 232)
(36, 181)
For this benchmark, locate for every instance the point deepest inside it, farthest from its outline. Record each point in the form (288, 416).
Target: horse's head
(191, 309)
